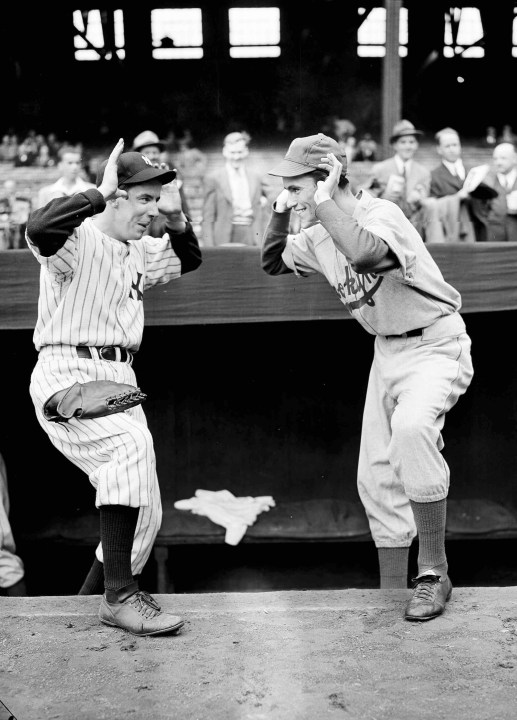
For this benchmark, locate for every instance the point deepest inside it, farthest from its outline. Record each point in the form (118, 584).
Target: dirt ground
(300, 655)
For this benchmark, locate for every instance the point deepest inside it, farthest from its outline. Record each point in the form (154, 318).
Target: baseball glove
(91, 400)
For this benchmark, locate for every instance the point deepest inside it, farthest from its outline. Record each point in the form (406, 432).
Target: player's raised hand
(326, 188)
(170, 199)
(109, 185)
(281, 201)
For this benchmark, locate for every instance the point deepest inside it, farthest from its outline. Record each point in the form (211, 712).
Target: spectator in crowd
(191, 163)
(507, 135)
(344, 132)
(189, 160)
(27, 150)
(149, 144)
(406, 182)
(15, 206)
(463, 212)
(5, 146)
(12, 572)
(9, 148)
(70, 182)
(490, 139)
(502, 177)
(366, 148)
(234, 198)
(53, 147)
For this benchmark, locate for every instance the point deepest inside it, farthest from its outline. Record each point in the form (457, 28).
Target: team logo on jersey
(139, 294)
(146, 160)
(358, 289)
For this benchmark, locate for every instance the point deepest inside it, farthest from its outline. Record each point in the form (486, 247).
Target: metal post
(391, 75)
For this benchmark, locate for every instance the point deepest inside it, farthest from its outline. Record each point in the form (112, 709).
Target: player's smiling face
(301, 191)
(134, 213)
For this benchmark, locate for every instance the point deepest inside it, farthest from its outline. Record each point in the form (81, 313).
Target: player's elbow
(273, 265)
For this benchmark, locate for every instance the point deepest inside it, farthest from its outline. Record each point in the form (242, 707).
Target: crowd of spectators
(457, 211)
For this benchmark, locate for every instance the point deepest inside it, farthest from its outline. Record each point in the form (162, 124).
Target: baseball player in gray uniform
(387, 280)
(96, 262)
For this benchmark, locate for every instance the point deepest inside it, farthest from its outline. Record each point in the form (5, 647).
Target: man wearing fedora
(407, 182)
(387, 280)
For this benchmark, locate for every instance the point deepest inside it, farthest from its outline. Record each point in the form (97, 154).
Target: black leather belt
(410, 333)
(105, 353)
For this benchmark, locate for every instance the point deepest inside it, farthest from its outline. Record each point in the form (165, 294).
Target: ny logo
(146, 160)
(139, 295)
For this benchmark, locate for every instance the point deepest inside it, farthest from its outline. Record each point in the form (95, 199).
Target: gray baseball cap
(305, 153)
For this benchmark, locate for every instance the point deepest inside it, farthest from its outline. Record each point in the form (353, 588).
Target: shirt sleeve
(170, 256)
(52, 230)
(392, 226)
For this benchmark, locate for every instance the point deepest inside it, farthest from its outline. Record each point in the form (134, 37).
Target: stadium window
(98, 35)
(254, 32)
(177, 33)
(463, 32)
(371, 35)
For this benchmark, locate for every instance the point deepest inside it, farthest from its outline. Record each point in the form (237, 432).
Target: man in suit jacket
(406, 182)
(463, 214)
(502, 177)
(232, 208)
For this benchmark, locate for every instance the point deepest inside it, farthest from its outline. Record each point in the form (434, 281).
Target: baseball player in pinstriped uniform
(96, 262)
(388, 281)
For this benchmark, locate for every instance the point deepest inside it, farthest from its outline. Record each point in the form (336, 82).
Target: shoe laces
(145, 604)
(425, 586)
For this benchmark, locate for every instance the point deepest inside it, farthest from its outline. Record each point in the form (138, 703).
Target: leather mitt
(91, 400)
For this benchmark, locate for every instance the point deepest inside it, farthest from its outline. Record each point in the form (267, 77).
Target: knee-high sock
(118, 525)
(430, 524)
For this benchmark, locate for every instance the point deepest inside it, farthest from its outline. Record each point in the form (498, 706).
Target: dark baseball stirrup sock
(430, 524)
(94, 582)
(118, 525)
(393, 567)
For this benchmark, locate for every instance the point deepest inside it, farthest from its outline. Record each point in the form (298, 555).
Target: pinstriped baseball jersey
(91, 289)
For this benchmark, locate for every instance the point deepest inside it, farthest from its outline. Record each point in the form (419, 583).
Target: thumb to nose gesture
(109, 185)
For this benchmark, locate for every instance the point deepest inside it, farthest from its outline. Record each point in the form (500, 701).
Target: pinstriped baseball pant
(116, 451)
(413, 383)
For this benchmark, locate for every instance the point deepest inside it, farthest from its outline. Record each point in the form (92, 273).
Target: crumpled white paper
(235, 514)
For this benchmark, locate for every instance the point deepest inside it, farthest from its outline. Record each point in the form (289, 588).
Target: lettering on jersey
(355, 284)
(139, 295)
(146, 160)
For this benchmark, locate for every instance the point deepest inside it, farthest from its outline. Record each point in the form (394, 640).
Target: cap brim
(151, 173)
(289, 168)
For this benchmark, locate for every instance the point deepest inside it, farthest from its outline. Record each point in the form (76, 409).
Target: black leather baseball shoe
(430, 593)
(137, 612)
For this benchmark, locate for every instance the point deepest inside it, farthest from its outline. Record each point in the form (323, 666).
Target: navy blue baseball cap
(134, 168)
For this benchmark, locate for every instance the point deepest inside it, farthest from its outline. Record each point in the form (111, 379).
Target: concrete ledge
(275, 656)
